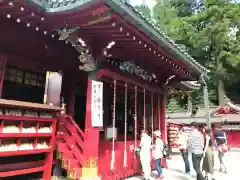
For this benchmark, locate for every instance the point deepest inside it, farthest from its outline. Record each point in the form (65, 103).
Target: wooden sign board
(97, 104)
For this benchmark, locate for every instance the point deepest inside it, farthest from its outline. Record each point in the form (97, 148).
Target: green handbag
(137, 152)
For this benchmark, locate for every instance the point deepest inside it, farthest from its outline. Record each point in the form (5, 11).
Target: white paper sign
(109, 133)
(97, 104)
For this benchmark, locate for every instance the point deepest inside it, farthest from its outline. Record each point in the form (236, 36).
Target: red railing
(70, 141)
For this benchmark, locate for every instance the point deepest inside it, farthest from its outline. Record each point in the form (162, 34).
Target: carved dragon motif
(85, 57)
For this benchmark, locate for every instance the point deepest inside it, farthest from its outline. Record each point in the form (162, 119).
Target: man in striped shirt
(195, 145)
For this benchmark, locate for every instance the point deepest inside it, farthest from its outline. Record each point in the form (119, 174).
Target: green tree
(144, 10)
(209, 30)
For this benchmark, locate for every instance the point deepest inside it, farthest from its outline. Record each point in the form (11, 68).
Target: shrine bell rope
(152, 96)
(144, 109)
(114, 122)
(159, 115)
(125, 125)
(135, 119)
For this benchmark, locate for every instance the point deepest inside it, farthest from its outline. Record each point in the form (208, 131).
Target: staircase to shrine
(70, 141)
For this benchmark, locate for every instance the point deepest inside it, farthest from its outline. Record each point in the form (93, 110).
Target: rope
(135, 118)
(144, 109)
(152, 113)
(125, 126)
(159, 115)
(114, 121)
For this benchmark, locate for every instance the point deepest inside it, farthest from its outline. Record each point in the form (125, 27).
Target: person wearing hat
(158, 153)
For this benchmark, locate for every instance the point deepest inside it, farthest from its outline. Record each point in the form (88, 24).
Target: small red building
(226, 116)
(115, 68)
(229, 118)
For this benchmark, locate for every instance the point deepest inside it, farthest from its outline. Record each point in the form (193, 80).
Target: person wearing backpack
(158, 153)
(222, 147)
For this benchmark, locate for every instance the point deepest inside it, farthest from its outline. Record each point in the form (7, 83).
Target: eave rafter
(152, 48)
(125, 40)
(99, 20)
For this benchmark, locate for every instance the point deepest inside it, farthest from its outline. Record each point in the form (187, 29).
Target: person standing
(158, 155)
(220, 140)
(145, 154)
(183, 149)
(208, 157)
(195, 145)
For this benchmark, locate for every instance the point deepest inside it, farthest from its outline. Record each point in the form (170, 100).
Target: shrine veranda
(115, 70)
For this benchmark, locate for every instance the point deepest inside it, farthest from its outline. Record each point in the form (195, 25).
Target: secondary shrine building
(104, 64)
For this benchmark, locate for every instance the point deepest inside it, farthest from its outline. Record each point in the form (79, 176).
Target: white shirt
(158, 151)
(145, 143)
(183, 141)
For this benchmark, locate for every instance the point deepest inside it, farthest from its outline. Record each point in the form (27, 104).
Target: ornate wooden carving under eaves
(131, 68)
(88, 62)
(85, 57)
(66, 33)
(62, 3)
(134, 69)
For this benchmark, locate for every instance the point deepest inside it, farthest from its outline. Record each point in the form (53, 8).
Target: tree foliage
(210, 32)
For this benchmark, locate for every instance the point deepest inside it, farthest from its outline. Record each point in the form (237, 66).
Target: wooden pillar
(91, 139)
(163, 123)
(156, 114)
(3, 63)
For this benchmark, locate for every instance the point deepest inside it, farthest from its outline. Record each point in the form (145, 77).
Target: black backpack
(166, 151)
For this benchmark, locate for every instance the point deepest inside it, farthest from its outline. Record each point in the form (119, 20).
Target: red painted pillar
(156, 114)
(91, 141)
(163, 122)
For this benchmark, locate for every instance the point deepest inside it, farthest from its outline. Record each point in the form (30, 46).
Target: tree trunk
(221, 93)
(189, 103)
(221, 89)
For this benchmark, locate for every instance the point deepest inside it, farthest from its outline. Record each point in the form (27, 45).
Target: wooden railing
(70, 142)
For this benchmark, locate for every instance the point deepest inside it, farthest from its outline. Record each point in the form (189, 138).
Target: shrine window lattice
(24, 77)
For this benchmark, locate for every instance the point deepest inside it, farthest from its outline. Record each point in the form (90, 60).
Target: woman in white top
(145, 154)
(158, 153)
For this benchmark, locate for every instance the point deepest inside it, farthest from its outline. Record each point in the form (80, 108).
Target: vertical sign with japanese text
(97, 104)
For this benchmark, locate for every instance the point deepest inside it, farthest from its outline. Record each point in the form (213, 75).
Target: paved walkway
(176, 169)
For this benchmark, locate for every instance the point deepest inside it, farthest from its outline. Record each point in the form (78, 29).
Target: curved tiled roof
(63, 5)
(181, 49)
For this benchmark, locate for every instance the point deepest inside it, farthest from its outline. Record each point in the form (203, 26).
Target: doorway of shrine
(80, 105)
